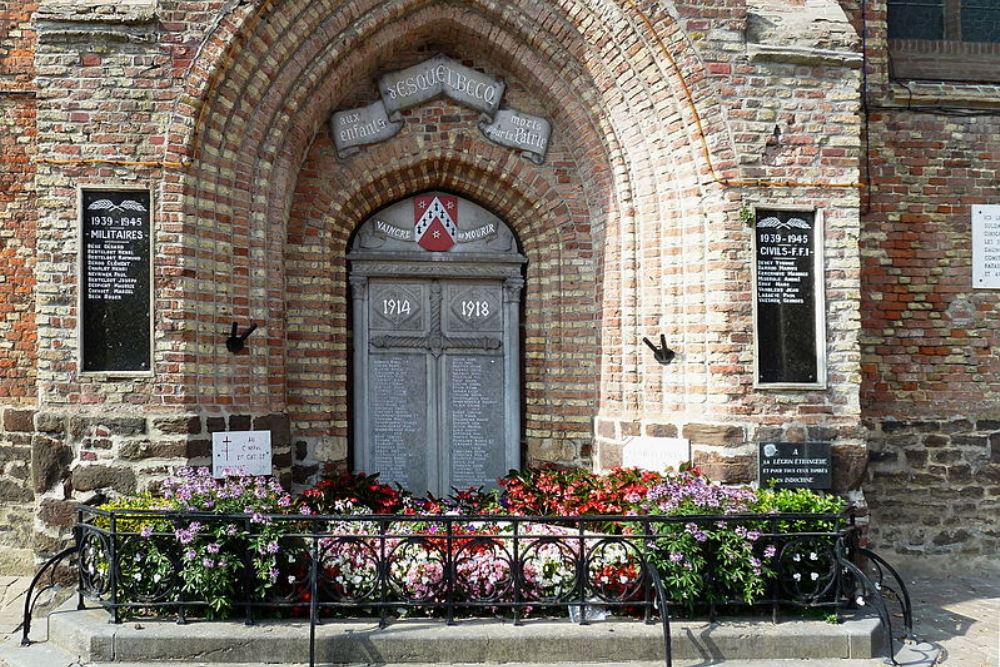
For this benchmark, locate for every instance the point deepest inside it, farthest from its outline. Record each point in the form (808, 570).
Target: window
(945, 39)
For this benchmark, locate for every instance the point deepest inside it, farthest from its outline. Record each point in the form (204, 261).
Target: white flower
(860, 601)
(156, 578)
(137, 576)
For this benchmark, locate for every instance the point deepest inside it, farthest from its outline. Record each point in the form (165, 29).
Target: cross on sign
(226, 441)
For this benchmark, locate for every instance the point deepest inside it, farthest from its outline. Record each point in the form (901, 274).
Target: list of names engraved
(398, 419)
(115, 281)
(476, 420)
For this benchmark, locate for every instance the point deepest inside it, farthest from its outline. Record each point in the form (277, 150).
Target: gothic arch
(274, 72)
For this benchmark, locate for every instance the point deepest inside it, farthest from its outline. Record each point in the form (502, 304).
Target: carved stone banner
(440, 75)
(417, 84)
(436, 355)
(521, 131)
(358, 127)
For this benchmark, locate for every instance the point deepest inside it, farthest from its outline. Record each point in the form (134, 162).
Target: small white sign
(656, 454)
(241, 452)
(986, 247)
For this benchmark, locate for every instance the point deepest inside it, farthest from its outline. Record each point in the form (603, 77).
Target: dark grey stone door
(436, 358)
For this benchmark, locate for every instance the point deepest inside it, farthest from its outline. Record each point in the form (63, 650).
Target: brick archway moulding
(269, 75)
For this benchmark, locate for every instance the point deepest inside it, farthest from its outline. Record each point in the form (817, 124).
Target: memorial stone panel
(474, 420)
(115, 283)
(986, 247)
(398, 306)
(398, 418)
(796, 465)
(436, 362)
(789, 343)
(473, 308)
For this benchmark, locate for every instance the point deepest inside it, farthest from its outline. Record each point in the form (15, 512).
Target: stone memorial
(789, 322)
(655, 453)
(241, 453)
(436, 284)
(795, 465)
(115, 304)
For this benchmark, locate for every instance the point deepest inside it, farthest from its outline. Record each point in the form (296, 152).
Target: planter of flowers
(544, 540)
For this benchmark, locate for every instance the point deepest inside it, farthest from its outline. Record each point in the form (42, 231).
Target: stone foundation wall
(53, 461)
(727, 452)
(934, 487)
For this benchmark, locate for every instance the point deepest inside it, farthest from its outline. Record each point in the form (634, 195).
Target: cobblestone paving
(960, 613)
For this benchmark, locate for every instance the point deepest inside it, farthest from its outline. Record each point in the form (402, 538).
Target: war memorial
(443, 241)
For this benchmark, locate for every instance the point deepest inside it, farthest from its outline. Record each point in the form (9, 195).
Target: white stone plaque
(986, 247)
(656, 454)
(241, 453)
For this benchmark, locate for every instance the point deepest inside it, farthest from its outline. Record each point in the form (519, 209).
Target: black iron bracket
(235, 343)
(663, 354)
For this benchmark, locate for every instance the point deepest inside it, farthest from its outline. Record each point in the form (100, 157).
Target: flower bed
(547, 539)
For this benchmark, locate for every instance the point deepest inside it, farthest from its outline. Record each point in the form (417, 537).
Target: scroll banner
(520, 131)
(440, 75)
(353, 128)
(415, 85)
(389, 230)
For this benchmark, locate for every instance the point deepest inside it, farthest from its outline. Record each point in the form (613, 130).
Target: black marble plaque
(116, 315)
(795, 465)
(474, 419)
(785, 256)
(398, 419)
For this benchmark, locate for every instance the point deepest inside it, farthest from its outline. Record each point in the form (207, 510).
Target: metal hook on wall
(663, 354)
(236, 342)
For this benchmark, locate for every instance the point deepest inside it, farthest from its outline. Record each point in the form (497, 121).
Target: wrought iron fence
(190, 563)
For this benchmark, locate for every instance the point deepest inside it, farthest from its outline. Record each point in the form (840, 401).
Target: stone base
(88, 634)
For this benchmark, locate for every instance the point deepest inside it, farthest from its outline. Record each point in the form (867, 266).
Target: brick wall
(931, 373)
(17, 204)
(18, 333)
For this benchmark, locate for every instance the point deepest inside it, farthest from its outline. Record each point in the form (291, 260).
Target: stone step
(872, 662)
(89, 635)
(46, 654)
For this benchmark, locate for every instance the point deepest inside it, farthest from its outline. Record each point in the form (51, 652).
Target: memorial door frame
(380, 262)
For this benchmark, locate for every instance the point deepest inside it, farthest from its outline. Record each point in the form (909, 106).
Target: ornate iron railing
(141, 562)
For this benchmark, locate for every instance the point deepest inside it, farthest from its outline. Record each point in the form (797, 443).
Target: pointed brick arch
(625, 130)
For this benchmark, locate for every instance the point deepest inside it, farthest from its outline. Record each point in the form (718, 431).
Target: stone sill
(798, 55)
(945, 94)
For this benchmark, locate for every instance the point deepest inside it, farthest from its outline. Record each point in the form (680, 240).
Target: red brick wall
(18, 130)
